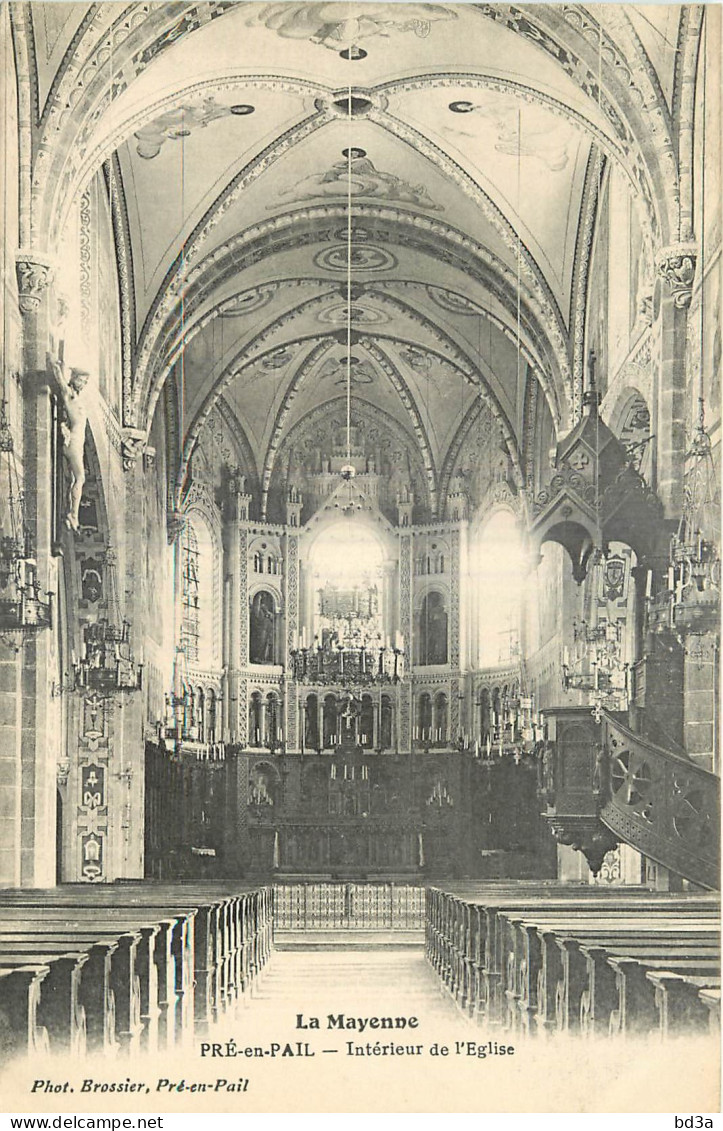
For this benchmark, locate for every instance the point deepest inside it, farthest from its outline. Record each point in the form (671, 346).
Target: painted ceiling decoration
(337, 29)
(434, 238)
(399, 207)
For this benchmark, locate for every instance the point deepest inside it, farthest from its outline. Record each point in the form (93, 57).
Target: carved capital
(676, 265)
(175, 525)
(34, 274)
(132, 445)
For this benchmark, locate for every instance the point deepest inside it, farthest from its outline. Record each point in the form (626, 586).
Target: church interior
(359, 510)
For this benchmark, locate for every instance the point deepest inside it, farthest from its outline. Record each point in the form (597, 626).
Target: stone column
(232, 620)
(403, 720)
(292, 634)
(676, 266)
(36, 745)
(126, 789)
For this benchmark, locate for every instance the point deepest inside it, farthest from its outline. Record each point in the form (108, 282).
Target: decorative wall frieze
(85, 287)
(243, 600)
(34, 275)
(676, 265)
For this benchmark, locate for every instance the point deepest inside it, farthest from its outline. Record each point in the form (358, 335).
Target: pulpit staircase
(602, 784)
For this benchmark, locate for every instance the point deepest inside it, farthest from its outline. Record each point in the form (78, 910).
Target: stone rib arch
(134, 36)
(474, 372)
(402, 389)
(320, 413)
(230, 372)
(481, 198)
(309, 361)
(571, 37)
(423, 235)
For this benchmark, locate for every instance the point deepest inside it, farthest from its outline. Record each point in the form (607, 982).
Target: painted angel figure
(75, 401)
(337, 26)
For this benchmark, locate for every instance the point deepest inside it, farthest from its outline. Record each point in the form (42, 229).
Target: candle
(649, 584)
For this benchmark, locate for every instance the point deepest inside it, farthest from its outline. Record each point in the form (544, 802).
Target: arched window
(200, 714)
(424, 717)
(387, 721)
(311, 722)
(273, 721)
(496, 718)
(198, 619)
(432, 630)
(210, 715)
(263, 629)
(255, 720)
(440, 717)
(190, 596)
(366, 721)
(484, 713)
(330, 721)
(188, 712)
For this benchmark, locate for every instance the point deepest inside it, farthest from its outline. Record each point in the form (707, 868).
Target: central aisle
(356, 982)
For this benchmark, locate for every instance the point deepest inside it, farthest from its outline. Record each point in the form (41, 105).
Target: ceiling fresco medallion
(278, 359)
(364, 257)
(359, 372)
(180, 122)
(356, 175)
(248, 301)
(339, 27)
(356, 314)
(452, 302)
(417, 360)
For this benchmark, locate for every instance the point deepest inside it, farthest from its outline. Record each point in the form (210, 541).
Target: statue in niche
(262, 628)
(261, 789)
(432, 634)
(75, 402)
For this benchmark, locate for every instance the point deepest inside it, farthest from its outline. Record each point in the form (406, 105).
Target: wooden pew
(561, 973)
(197, 947)
(501, 976)
(20, 1032)
(711, 1000)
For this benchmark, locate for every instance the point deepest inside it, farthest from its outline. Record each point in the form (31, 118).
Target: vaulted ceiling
(250, 146)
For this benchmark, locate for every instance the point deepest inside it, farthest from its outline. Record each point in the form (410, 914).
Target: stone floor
(359, 978)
